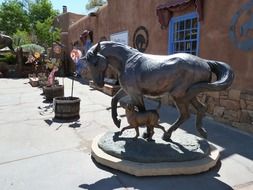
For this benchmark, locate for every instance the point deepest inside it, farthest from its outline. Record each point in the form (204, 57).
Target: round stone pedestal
(184, 154)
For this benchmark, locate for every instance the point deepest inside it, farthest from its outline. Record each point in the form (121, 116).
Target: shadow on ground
(231, 141)
(119, 179)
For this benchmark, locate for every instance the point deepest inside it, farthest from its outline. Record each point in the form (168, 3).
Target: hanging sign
(121, 37)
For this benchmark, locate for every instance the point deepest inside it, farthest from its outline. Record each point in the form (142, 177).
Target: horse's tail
(224, 74)
(225, 77)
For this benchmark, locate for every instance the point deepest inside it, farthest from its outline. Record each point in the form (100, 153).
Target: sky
(74, 6)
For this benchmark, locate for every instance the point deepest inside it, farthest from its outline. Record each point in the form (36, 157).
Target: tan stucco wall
(234, 106)
(123, 15)
(64, 20)
(215, 42)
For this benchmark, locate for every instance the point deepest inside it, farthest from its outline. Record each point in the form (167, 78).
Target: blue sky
(75, 6)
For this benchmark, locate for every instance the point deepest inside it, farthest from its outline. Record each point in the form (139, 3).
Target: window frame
(192, 15)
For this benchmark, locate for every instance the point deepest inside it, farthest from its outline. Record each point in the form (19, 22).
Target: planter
(33, 80)
(53, 91)
(42, 79)
(67, 108)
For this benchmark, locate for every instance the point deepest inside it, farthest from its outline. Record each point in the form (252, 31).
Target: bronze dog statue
(149, 118)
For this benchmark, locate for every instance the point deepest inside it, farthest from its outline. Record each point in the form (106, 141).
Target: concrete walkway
(37, 153)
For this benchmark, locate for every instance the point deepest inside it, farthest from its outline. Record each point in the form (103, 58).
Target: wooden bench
(108, 89)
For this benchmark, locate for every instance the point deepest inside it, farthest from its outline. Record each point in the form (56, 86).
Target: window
(184, 34)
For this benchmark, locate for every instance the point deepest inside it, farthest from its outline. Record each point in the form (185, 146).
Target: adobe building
(211, 29)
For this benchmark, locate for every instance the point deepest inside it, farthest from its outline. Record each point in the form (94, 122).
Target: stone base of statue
(184, 154)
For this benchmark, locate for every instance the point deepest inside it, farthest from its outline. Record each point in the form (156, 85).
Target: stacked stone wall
(233, 107)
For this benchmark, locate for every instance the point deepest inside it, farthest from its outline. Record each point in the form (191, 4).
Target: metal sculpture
(136, 119)
(6, 41)
(182, 75)
(141, 39)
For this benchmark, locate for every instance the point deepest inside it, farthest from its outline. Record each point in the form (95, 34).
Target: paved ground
(37, 153)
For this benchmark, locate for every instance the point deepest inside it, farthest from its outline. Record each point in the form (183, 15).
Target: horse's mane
(112, 44)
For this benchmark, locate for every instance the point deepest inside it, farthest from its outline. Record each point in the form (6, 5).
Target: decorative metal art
(141, 38)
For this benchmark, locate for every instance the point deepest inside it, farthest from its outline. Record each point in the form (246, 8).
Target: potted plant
(67, 108)
(33, 58)
(52, 88)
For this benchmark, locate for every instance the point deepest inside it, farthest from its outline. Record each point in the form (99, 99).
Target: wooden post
(19, 60)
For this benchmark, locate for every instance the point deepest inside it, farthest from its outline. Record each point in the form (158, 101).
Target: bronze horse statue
(6, 41)
(181, 75)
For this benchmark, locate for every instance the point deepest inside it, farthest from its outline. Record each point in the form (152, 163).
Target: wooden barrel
(53, 91)
(66, 108)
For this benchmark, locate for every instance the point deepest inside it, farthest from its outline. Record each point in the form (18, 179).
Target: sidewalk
(39, 154)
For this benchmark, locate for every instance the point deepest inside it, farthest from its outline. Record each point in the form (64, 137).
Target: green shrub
(3, 67)
(8, 58)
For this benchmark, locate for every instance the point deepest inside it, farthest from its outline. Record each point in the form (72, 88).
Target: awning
(165, 11)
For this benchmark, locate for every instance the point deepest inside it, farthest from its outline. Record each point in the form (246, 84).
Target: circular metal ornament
(141, 38)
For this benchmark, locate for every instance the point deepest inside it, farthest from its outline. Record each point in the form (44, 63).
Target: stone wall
(233, 107)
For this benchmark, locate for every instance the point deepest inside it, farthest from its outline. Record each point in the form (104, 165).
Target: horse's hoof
(166, 136)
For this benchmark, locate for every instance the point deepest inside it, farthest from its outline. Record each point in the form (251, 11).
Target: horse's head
(97, 65)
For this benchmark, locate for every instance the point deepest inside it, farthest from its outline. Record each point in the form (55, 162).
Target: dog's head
(130, 107)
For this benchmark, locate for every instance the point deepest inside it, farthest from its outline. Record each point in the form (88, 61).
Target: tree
(41, 10)
(94, 3)
(28, 21)
(21, 37)
(41, 14)
(13, 17)
(46, 34)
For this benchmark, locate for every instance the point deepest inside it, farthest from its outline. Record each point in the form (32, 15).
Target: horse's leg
(201, 109)
(182, 107)
(121, 93)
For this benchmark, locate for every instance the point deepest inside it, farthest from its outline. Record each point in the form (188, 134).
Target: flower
(37, 55)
